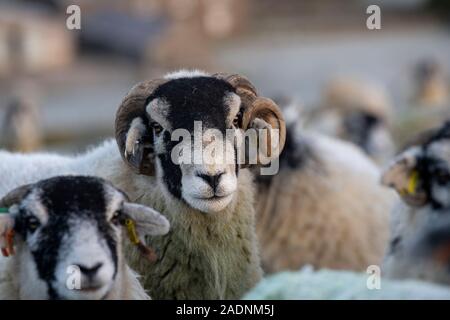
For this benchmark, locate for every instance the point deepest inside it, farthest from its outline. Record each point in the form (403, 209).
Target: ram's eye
(442, 176)
(157, 127)
(32, 223)
(237, 120)
(116, 217)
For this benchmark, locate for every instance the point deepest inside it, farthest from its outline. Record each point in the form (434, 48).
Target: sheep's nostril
(90, 271)
(212, 180)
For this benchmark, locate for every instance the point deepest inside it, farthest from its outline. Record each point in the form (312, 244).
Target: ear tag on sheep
(412, 183)
(9, 240)
(8, 237)
(134, 238)
(132, 234)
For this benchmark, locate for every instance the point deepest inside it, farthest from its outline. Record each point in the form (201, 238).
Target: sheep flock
(284, 202)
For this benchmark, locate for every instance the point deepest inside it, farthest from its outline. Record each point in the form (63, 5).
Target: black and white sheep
(211, 251)
(62, 239)
(356, 111)
(420, 246)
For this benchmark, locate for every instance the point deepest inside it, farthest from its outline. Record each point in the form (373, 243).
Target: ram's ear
(138, 146)
(148, 221)
(6, 234)
(403, 176)
(133, 135)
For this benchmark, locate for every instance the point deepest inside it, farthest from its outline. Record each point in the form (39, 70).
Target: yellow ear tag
(132, 234)
(412, 183)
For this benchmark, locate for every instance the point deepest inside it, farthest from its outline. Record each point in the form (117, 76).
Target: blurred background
(59, 88)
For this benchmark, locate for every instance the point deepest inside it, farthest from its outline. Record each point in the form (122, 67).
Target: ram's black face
(202, 108)
(196, 99)
(72, 236)
(433, 166)
(421, 173)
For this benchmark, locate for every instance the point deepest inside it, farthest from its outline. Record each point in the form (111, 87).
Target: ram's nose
(90, 271)
(212, 180)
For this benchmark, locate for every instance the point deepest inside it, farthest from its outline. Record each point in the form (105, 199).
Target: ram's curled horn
(258, 107)
(265, 109)
(244, 88)
(14, 196)
(131, 108)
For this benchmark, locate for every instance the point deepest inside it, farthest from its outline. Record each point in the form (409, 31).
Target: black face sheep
(421, 176)
(62, 239)
(357, 112)
(211, 251)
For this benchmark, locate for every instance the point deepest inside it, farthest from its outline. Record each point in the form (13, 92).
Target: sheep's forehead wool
(195, 99)
(68, 203)
(73, 195)
(186, 74)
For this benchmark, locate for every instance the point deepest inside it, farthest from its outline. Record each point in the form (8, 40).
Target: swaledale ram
(420, 241)
(211, 251)
(325, 207)
(67, 227)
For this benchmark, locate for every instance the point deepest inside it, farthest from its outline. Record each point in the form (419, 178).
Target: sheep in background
(325, 207)
(422, 253)
(356, 112)
(419, 246)
(20, 130)
(67, 224)
(432, 84)
(211, 251)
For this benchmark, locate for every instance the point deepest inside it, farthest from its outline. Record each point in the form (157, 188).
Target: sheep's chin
(91, 294)
(210, 206)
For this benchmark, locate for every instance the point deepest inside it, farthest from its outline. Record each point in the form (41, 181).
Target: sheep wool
(214, 257)
(308, 284)
(325, 207)
(204, 257)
